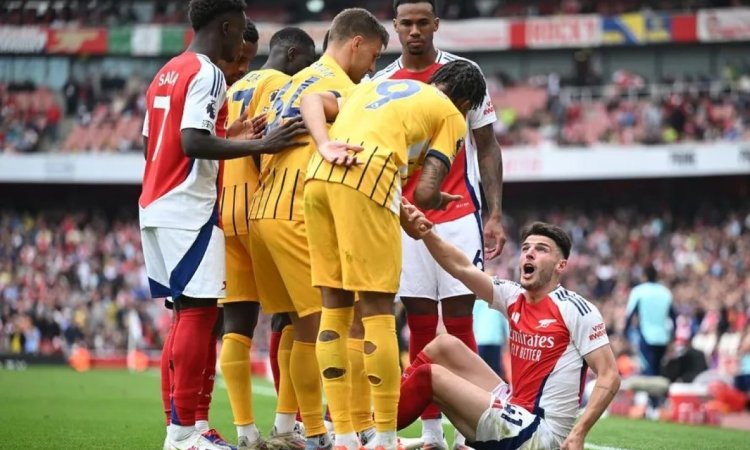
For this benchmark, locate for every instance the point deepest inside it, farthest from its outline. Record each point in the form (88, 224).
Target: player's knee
(442, 345)
(241, 318)
(279, 321)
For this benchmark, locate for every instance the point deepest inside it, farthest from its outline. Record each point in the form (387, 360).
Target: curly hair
(251, 33)
(462, 80)
(201, 12)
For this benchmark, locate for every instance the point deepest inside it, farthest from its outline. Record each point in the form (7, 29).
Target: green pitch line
(55, 407)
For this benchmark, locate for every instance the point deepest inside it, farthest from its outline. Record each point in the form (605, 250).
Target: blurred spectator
(650, 312)
(491, 333)
(69, 279)
(115, 13)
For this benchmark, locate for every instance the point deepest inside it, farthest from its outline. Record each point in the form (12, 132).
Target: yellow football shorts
(240, 276)
(282, 267)
(355, 244)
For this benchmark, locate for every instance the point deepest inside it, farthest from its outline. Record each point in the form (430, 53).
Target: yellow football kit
(240, 180)
(353, 212)
(278, 232)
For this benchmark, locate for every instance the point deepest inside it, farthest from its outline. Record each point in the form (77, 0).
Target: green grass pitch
(58, 408)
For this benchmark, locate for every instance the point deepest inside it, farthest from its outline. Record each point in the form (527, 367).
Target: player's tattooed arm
(427, 194)
(491, 173)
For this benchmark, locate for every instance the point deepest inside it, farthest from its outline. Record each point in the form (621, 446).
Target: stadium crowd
(104, 114)
(98, 263)
(114, 13)
(625, 111)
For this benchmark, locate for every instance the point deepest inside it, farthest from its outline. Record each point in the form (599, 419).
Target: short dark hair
(651, 273)
(357, 22)
(201, 12)
(251, 33)
(557, 234)
(462, 80)
(325, 39)
(291, 37)
(397, 3)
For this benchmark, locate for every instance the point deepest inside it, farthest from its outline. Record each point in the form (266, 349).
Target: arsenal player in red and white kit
(183, 244)
(423, 283)
(555, 336)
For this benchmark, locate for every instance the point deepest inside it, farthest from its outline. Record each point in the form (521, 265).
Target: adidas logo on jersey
(515, 317)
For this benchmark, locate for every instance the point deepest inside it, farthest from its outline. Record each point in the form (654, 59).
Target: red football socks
(416, 395)
(463, 329)
(273, 350)
(193, 330)
(209, 374)
(166, 373)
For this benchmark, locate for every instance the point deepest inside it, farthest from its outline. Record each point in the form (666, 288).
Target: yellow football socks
(235, 367)
(361, 409)
(287, 401)
(306, 379)
(383, 372)
(332, 353)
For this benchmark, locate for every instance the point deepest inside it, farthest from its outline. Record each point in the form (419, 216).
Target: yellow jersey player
(277, 229)
(291, 50)
(352, 207)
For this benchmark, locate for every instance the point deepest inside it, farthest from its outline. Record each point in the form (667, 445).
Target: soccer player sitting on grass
(554, 336)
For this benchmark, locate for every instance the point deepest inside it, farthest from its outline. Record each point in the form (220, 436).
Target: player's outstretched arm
(197, 143)
(317, 110)
(602, 363)
(453, 261)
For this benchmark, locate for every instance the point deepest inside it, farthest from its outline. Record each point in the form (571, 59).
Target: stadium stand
(113, 13)
(533, 113)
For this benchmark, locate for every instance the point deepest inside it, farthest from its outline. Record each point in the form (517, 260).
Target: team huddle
(322, 195)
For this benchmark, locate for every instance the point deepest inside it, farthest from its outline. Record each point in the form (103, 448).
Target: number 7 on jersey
(161, 102)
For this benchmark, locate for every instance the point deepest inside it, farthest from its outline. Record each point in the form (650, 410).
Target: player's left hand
(573, 442)
(494, 238)
(340, 153)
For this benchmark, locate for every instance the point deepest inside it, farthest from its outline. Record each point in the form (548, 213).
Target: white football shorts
(422, 277)
(185, 262)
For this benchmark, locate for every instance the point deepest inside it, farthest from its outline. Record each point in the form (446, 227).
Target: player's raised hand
(285, 136)
(446, 199)
(413, 221)
(340, 153)
(494, 238)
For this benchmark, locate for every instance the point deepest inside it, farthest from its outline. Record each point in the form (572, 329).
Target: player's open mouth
(527, 269)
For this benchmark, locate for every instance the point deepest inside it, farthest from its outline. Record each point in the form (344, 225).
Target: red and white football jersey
(181, 192)
(548, 341)
(463, 178)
